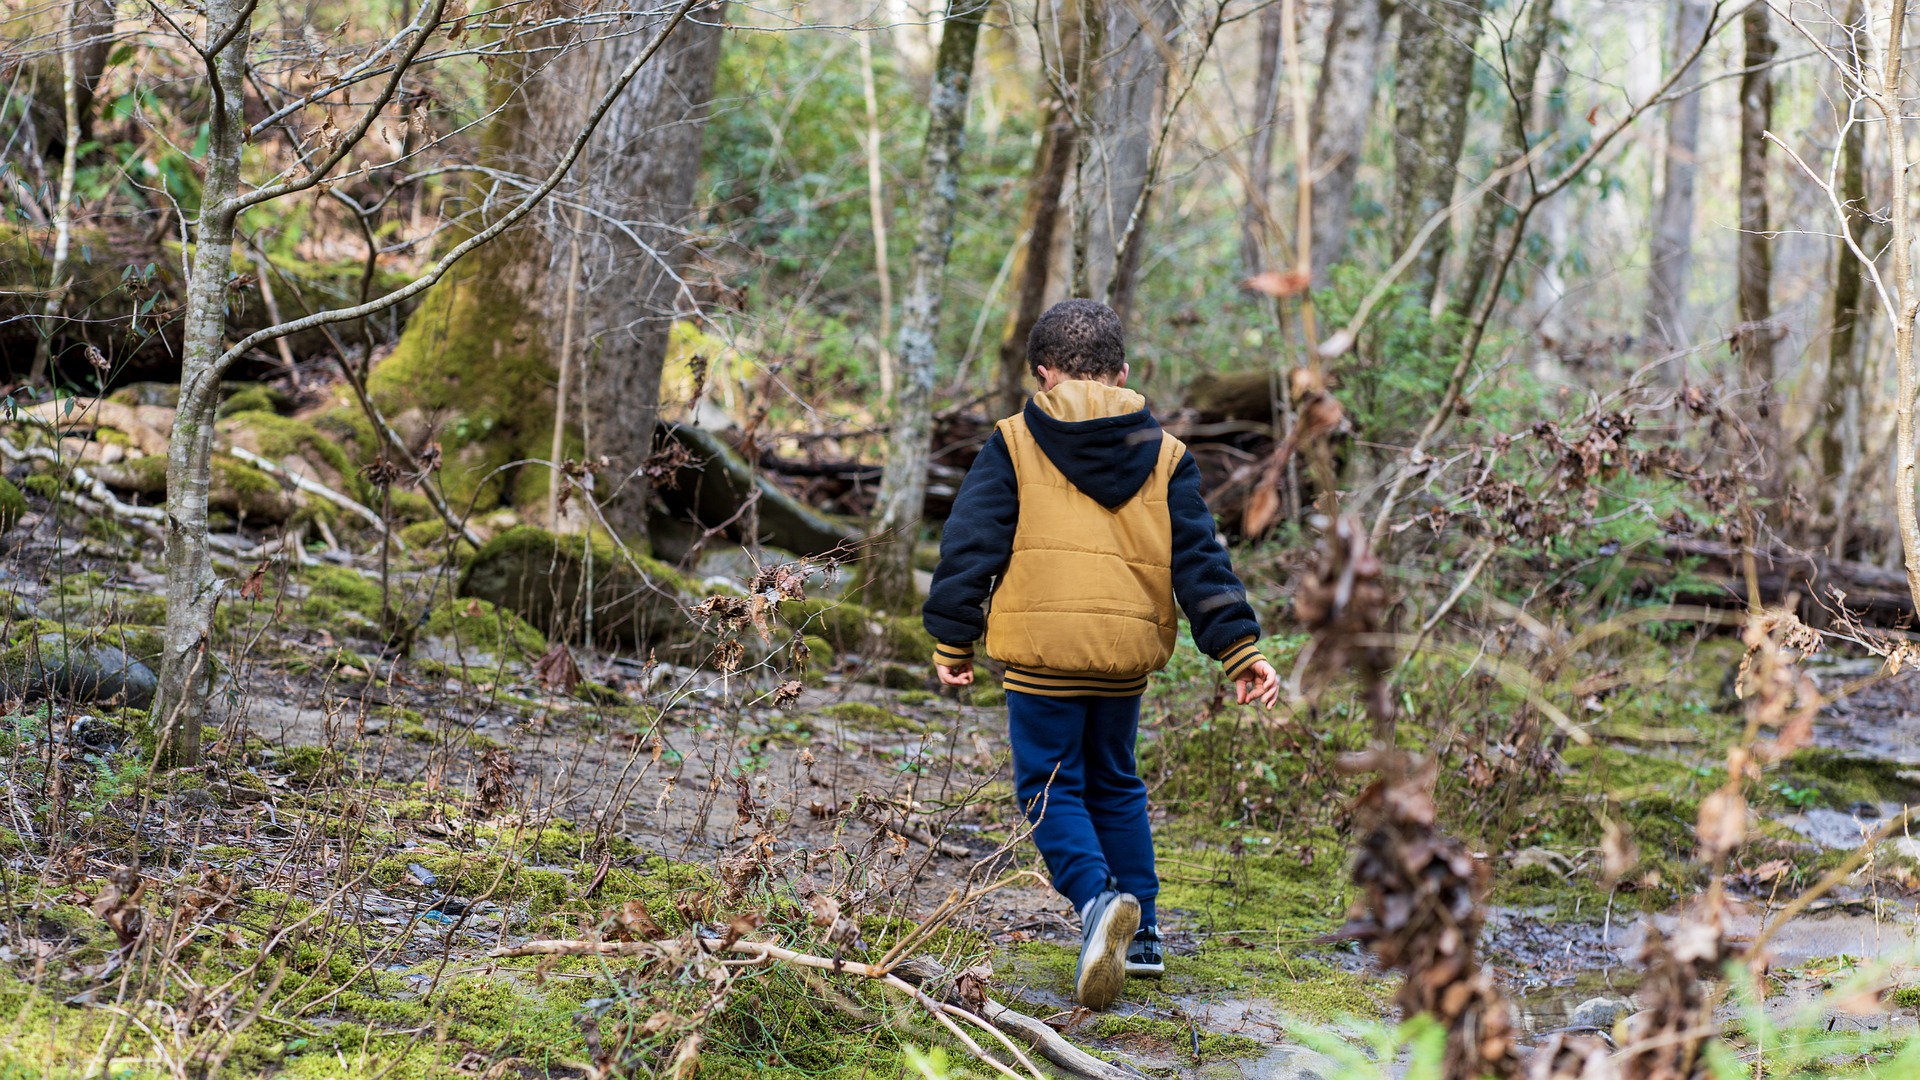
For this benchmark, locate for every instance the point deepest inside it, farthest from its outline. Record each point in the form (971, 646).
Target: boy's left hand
(1258, 683)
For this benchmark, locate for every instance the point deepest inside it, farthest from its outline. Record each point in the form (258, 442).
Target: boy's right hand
(957, 675)
(1258, 683)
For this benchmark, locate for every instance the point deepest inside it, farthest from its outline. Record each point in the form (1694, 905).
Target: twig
(314, 487)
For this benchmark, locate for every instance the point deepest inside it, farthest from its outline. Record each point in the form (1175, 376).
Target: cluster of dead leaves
(495, 787)
(1418, 912)
(1343, 604)
(1664, 1039)
(1318, 416)
(119, 904)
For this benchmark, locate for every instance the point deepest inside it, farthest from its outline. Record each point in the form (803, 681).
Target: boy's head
(1078, 339)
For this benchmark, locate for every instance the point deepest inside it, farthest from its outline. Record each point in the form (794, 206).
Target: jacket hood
(1102, 438)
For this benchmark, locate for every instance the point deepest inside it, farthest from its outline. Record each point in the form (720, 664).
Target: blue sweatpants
(1075, 777)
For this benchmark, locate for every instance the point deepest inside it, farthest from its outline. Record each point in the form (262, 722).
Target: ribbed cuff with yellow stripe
(1241, 656)
(948, 655)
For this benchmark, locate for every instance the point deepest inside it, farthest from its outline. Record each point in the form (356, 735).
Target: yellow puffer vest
(1086, 605)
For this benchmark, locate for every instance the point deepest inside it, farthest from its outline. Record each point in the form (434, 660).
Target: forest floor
(387, 824)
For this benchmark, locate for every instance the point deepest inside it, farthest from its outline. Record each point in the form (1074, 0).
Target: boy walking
(1084, 523)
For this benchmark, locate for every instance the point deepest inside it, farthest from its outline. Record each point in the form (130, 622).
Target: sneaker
(1109, 921)
(1144, 958)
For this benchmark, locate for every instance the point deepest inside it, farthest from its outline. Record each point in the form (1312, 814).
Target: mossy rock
(480, 624)
(12, 505)
(79, 667)
(251, 397)
(542, 578)
(299, 444)
(851, 627)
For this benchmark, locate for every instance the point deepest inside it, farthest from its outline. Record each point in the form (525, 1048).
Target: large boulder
(545, 578)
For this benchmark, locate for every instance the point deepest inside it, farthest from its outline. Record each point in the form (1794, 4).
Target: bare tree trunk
(1842, 406)
(1754, 335)
(1266, 103)
(1129, 80)
(1432, 89)
(92, 44)
(647, 161)
(1045, 187)
(1671, 252)
(903, 488)
(1523, 69)
(1342, 107)
(192, 590)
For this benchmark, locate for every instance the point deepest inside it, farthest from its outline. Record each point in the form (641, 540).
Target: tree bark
(1129, 78)
(92, 43)
(1045, 186)
(1671, 253)
(1432, 89)
(1342, 107)
(904, 487)
(192, 590)
(1754, 334)
(1255, 214)
(646, 173)
(1523, 68)
(1842, 406)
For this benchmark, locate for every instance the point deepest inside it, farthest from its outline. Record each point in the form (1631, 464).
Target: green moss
(479, 624)
(867, 716)
(331, 589)
(544, 578)
(1839, 779)
(45, 485)
(12, 504)
(249, 398)
(477, 355)
(283, 436)
(310, 764)
(849, 627)
(988, 695)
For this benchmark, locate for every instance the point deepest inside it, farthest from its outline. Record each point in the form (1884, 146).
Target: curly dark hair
(1082, 339)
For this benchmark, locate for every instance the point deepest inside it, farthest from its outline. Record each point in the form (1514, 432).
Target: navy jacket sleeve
(974, 551)
(1203, 578)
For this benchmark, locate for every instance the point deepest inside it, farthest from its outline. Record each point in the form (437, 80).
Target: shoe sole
(1104, 975)
(1145, 971)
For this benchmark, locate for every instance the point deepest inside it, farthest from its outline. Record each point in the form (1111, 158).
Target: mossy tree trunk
(479, 354)
(1045, 187)
(1434, 81)
(904, 486)
(1129, 79)
(1342, 108)
(1523, 69)
(1671, 255)
(1754, 335)
(646, 160)
(1842, 404)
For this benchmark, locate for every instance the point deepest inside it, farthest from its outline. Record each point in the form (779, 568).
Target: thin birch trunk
(903, 488)
(1671, 253)
(877, 211)
(1894, 115)
(63, 209)
(192, 589)
(1342, 108)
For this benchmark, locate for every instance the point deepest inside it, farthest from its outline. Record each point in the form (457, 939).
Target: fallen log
(713, 486)
(1873, 593)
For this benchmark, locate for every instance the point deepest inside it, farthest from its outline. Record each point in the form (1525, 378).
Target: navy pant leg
(1116, 798)
(1049, 779)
